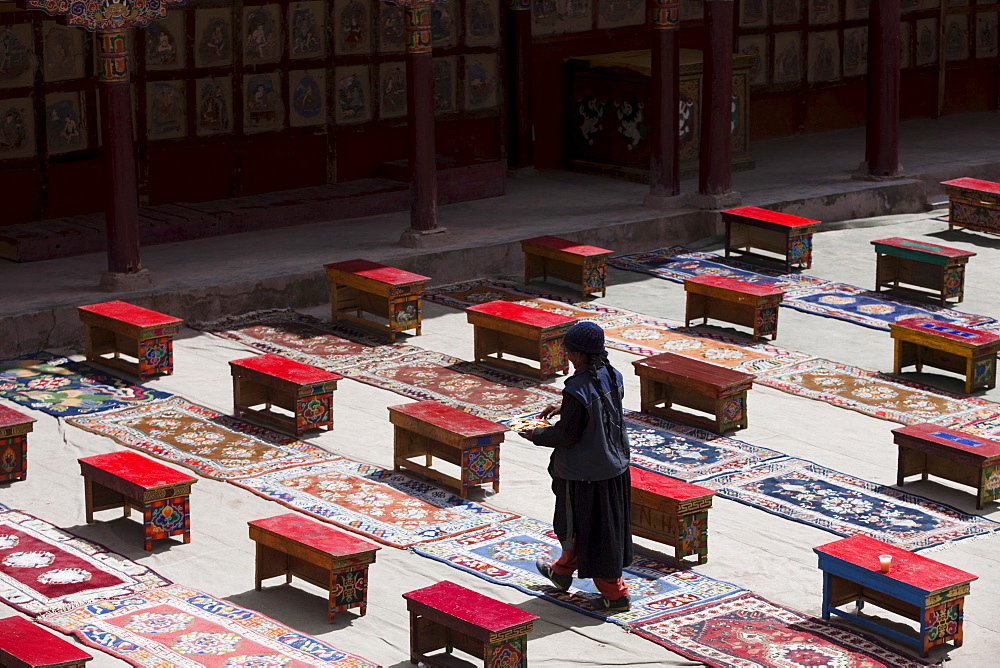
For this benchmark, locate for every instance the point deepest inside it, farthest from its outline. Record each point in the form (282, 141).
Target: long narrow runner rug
(58, 386)
(179, 626)
(215, 445)
(44, 569)
(382, 505)
(747, 631)
(806, 492)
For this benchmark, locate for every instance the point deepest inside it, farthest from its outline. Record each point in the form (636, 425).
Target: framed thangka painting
(824, 56)
(956, 37)
(905, 46)
(986, 35)
(62, 52)
(17, 58)
(823, 11)
(391, 28)
(445, 83)
(481, 81)
(352, 27)
(855, 52)
(481, 23)
(306, 29)
(786, 12)
(787, 58)
(213, 106)
(17, 128)
(213, 37)
(263, 109)
(262, 34)
(444, 25)
(756, 46)
(856, 10)
(753, 13)
(926, 42)
(306, 98)
(165, 110)
(65, 122)
(353, 95)
(617, 13)
(392, 90)
(550, 17)
(165, 42)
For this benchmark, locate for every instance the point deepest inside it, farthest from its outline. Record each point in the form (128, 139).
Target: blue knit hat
(585, 337)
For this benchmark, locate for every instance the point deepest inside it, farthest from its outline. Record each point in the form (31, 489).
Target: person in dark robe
(590, 472)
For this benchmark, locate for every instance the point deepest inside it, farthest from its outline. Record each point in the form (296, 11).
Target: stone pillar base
(671, 202)
(862, 174)
(715, 201)
(412, 238)
(113, 281)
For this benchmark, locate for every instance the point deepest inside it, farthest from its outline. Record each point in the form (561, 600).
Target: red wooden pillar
(664, 161)
(715, 177)
(122, 212)
(522, 153)
(882, 129)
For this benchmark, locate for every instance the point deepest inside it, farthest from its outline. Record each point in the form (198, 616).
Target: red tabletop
(132, 314)
(692, 368)
(10, 418)
(662, 485)
(555, 243)
(974, 184)
(909, 568)
(735, 285)
(453, 419)
(315, 534)
(377, 272)
(282, 367)
(947, 330)
(36, 646)
(922, 247)
(523, 314)
(956, 440)
(783, 219)
(469, 606)
(136, 469)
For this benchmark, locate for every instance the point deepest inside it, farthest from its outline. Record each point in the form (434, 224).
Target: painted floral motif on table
(307, 95)
(306, 29)
(215, 445)
(166, 107)
(44, 569)
(58, 386)
(17, 128)
(214, 37)
(179, 626)
(388, 507)
(165, 43)
(214, 106)
(17, 64)
(506, 554)
(262, 34)
(263, 108)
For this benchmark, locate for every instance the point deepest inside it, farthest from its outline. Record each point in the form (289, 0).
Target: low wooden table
(129, 480)
(305, 391)
(118, 328)
(916, 263)
(14, 428)
(942, 345)
(671, 512)
(964, 458)
(505, 327)
(669, 378)
(431, 429)
(363, 286)
(333, 560)
(446, 615)
(587, 266)
(734, 301)
(789, 236)
(915, 587)
(25, 644)
(973, 204)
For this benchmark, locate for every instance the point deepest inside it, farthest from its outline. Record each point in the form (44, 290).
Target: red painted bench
(24, 644)
(333, 560)
(917, 263)
(363, 286)
(973, 204)
(304, 391)
(128, 480)
(431, 429)
(505, 327)
(672, 512)
(729, 300)
(943, 345)
(586, 266)
(446, 616)
(14, 428)
(119, 328)
(789, 236)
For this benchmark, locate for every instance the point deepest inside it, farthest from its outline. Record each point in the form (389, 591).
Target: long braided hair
(611, 401)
